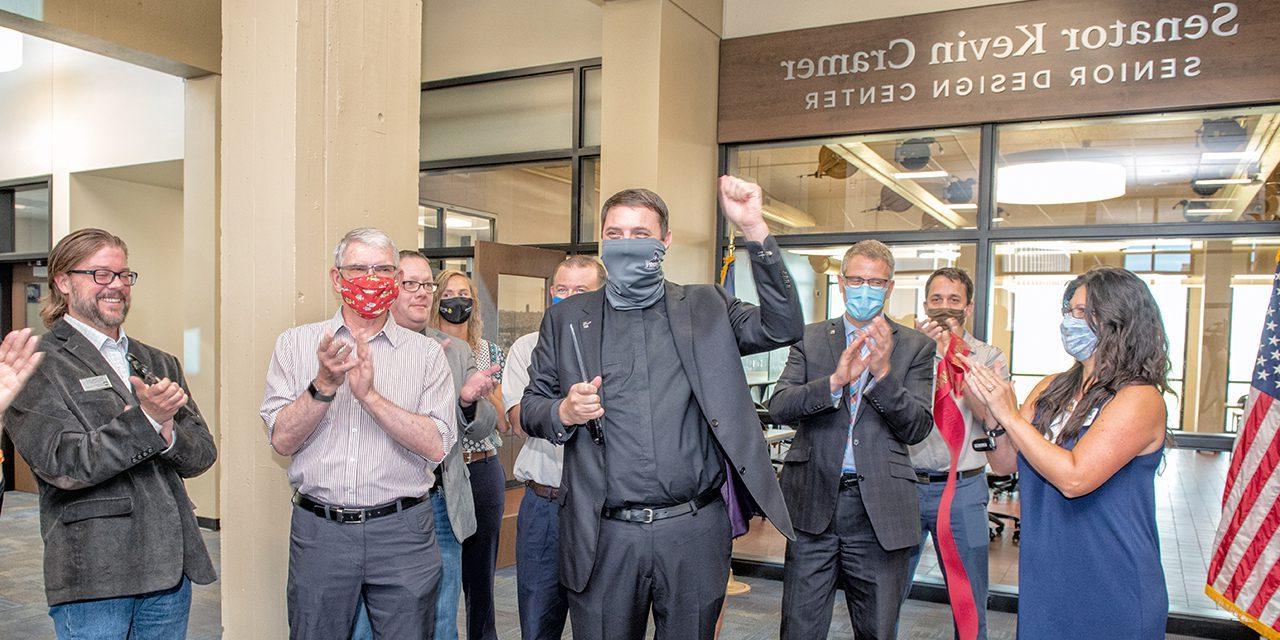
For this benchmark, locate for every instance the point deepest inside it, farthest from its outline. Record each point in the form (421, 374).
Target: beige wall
(149, 219)
(467, 37)
(754, 17)
(181, 38)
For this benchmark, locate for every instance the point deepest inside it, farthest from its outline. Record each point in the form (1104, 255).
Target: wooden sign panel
(1021, 61)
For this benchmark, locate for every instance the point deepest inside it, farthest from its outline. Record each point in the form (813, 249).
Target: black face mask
(456, 310)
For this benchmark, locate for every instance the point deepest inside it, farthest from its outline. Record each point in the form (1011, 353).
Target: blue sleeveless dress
(1089, 567)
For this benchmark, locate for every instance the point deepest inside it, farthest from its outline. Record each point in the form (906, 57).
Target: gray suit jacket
(712, 330)
(114, 514)
(895, 413)
(457, 480)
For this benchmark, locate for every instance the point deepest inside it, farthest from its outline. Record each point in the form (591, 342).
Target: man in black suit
(656, 420)
(109, 446)
(858, 390)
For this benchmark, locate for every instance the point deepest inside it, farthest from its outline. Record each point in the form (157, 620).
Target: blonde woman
(454, 312)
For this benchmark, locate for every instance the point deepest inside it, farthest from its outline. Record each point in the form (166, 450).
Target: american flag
(1244, 574)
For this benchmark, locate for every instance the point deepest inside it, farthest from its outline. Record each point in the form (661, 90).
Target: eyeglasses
(353, 271)
(876, 283)
(1079, 312)
(107, 276)
(412, 286)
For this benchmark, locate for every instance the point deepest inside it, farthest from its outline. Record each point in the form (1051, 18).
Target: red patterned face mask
(369, 296)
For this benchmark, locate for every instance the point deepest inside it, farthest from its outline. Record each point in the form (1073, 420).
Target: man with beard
(110, 432)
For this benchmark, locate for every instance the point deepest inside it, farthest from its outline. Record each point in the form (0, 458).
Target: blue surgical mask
(555, 299)
(1077, 338)
(864, 303)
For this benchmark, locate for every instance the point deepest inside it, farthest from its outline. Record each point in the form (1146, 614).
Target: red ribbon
(950, 423)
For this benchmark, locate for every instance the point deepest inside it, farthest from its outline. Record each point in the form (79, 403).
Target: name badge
(95, 383)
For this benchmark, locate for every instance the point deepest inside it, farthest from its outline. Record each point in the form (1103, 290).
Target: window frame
(575, 155)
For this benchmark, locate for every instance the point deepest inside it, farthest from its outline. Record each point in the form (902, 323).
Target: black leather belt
(645, 515)
(849, 480)
(543, 491)
(345, 515)
(924, 477)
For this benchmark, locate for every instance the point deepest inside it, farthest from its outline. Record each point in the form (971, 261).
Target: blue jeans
(969, 527)
(161, 615)
(450, 572)
(543, 601)
(450, 580)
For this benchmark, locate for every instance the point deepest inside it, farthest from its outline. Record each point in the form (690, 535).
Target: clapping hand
(478, 385)
(994, 392)
(160, 401)
(881, 347)
(18, 360)
(335, 362)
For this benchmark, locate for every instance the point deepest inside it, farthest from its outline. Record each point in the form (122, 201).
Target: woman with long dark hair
(454, 312)
(1087, 444)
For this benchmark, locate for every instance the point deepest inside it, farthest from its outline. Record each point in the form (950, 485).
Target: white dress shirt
(114, 351)
(539, 461)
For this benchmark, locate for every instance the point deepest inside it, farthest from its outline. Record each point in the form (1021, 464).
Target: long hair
(475, 325)
(1132, 349)
(70, 251)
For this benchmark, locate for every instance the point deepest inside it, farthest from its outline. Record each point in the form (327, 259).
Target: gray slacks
(678, 567)
(848, 553)
(392, 561)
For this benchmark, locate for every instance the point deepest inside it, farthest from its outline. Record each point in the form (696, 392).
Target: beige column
(1215, 318)
(200, 270)
(658, 129)
(319, 135)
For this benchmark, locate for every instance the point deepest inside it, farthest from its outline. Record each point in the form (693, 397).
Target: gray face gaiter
(635, 272)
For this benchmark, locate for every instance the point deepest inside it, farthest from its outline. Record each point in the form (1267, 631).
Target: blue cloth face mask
(864, 302)
(1077, 338)
(555, 299)
(635, 272)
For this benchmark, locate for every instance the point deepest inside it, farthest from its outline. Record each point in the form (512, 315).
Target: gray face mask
(635, 272)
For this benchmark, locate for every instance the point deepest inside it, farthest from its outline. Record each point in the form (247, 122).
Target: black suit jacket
(712, 331)
(114, 513)
(895, 413)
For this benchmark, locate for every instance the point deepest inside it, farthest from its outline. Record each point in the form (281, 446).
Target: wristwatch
(315, 393)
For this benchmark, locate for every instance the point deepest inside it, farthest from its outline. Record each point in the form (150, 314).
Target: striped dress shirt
(349, 460)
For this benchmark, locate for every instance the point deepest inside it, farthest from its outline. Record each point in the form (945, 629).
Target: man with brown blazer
(110, 432)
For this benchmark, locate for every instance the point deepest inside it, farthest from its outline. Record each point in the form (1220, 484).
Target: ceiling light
(1216, 181)
(10, 49)
(1211, 211)
(1060, 182)
(459, 223)
(1230, 156)
(20, 207)
(964, 206)
(920, 175)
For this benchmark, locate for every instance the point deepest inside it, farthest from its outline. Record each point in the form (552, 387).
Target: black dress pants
(676, 567)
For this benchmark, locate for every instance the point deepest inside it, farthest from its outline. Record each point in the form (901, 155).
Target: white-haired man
(364, 408)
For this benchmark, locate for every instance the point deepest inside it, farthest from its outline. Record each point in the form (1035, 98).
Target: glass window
(589, 200)
(500, 117)
(25, 210)
(888, 182)
(814, 271)
(521, 204)
(591, 107)
(1212, 295)
(1206, 166)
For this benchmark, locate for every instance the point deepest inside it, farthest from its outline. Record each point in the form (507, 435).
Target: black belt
(646, 515)
(924, 477)
(348, 515)
(849, 480)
